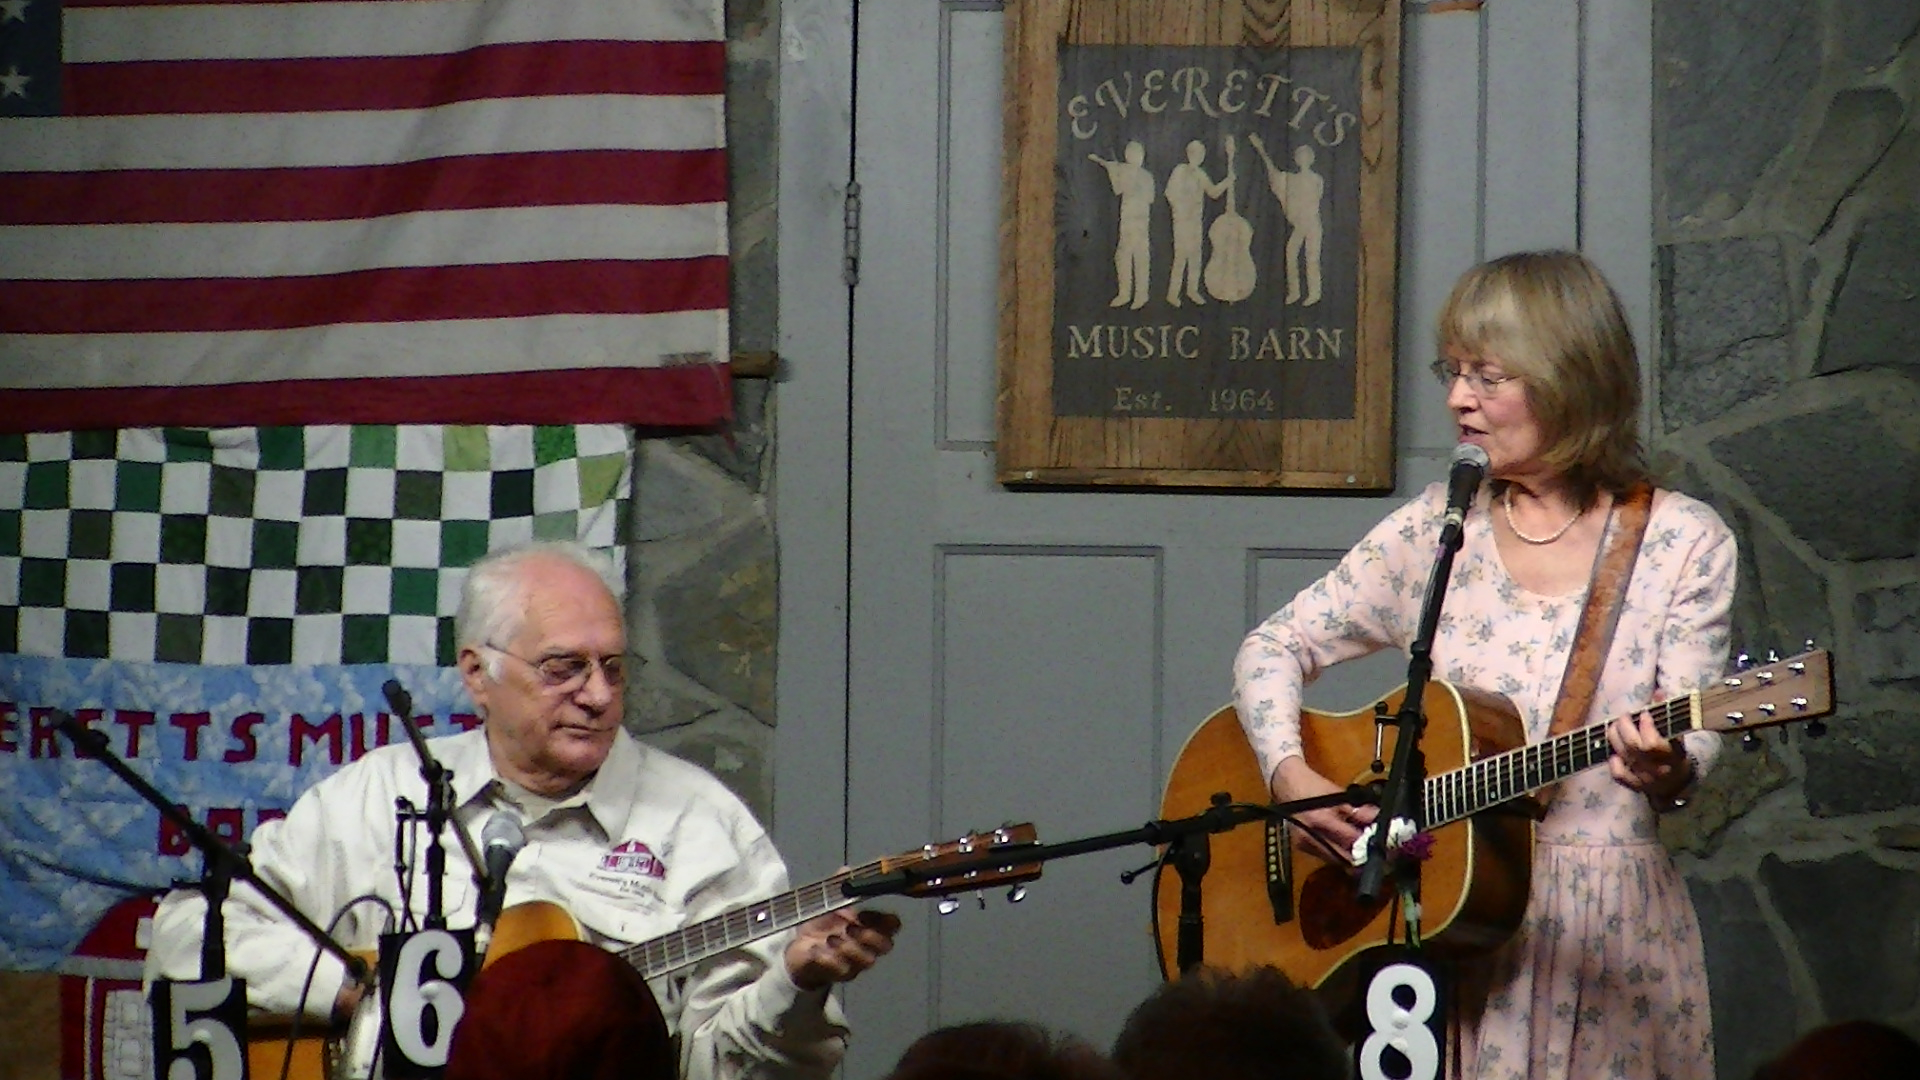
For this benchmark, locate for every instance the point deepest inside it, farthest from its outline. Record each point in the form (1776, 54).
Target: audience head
(1001, 1050)
(1850, 1050)
(1213, 1025)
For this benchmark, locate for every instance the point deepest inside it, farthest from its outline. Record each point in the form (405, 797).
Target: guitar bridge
(1280, 870)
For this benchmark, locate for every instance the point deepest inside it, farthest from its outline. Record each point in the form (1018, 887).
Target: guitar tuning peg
(1808, 647)
(1742, 661)
(948, 905)
(1016, 894)
(1772, 657)
(1816, 729)
(1750, 741)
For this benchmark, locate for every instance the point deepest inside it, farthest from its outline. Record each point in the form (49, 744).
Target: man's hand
(839, 945)
(348, 1001)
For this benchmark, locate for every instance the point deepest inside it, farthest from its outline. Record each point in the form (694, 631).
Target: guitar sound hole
(1331, 913)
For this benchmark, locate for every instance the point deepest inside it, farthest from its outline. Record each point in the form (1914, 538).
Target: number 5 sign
(199, 1029)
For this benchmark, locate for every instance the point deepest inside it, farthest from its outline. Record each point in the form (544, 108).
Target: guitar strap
(1612, 569)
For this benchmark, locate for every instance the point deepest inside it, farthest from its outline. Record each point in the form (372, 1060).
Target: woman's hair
(1551, 318)
(1001, 1050)
(492, 598)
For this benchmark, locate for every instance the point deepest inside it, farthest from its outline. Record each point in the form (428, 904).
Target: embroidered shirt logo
(634, 857)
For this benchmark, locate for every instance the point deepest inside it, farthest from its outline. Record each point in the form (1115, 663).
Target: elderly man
(630, 841)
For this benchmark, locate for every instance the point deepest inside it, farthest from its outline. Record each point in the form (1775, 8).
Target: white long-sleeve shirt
(650, 844)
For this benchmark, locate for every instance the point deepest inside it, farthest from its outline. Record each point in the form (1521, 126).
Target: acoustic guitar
(1264, 901)
(323, 1056)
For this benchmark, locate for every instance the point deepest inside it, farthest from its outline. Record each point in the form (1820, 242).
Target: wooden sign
(1198, 256)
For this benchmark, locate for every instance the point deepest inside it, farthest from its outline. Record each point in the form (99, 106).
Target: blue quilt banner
(233, 745)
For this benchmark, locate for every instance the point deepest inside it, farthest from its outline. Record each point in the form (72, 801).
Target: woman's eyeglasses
(1478, 379)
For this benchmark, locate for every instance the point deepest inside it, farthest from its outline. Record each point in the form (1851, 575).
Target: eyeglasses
(570, 671)
(1477, 378)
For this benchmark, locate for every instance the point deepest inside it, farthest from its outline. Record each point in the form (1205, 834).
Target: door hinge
(850, 239)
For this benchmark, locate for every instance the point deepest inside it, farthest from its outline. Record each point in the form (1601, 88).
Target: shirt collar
(610, 801)
(609, 794)
(465, 755)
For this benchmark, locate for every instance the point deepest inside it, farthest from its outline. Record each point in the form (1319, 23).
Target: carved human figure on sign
(1132, 257)
(1301, 193)
(1188, 189)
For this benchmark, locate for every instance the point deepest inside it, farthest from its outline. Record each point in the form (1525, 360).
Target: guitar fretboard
(1466, 791)
(691, 944)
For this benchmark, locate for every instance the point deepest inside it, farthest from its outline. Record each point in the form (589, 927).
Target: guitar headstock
(924, 869)
(1776, 692)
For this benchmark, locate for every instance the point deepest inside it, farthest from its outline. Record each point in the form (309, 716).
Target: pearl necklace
(1506, 507)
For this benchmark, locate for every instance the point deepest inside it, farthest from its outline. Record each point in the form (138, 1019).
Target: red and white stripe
(370, 211)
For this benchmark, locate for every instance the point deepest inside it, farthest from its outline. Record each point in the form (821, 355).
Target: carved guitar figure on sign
(1230, 272)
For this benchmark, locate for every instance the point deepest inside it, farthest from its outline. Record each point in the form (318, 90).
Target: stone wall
(702, 567)
(1788, 395)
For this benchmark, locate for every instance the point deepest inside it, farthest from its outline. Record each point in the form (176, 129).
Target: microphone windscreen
(503, 831)
(1468, 453)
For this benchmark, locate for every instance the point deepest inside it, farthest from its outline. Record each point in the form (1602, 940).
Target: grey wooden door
(992, 656)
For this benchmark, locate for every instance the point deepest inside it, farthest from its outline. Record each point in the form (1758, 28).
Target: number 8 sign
(1405, 1020)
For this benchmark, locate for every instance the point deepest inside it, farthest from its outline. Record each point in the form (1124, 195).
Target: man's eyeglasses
(1477, 378)
(570, 671)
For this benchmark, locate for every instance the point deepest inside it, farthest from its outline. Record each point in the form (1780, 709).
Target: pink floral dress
(1605, 977)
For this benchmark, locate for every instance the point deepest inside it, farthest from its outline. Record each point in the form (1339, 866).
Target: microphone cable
(313, 969)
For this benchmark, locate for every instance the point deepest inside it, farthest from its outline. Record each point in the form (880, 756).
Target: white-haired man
(629, 840)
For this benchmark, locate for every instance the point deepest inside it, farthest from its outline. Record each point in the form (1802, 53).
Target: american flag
(362, 211)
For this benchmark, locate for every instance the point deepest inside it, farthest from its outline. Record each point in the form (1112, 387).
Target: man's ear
(473, 674)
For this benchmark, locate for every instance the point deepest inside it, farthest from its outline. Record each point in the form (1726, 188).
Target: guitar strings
(693, 943)
(1512, 773)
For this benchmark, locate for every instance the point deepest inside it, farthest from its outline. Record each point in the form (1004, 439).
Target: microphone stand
(439, 809)
(427, 970)
(1185, 839)
(1406, 778)
(221, 862)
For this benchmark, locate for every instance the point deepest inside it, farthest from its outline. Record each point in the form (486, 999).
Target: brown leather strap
(1612, 569)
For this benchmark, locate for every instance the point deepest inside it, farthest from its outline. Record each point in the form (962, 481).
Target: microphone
(397, 697)
(1469, 466)
(501, 840)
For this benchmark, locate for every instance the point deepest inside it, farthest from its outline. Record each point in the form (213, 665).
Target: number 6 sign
(424, 976)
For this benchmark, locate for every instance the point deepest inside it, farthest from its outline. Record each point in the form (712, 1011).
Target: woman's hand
(1645, 760)
(1330, 831)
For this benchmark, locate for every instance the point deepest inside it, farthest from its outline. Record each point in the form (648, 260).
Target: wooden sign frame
(1183, 324)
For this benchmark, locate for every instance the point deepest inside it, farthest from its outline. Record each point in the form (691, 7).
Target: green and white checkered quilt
(274, 546)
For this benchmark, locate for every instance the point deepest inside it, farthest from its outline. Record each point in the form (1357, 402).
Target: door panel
(1046, 678)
